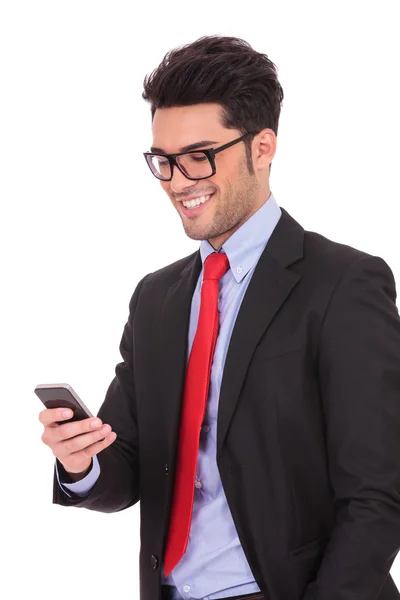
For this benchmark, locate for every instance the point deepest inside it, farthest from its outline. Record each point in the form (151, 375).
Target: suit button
(166, 469)
(154, 561)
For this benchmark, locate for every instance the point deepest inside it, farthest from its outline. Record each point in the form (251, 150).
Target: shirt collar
(245, 246)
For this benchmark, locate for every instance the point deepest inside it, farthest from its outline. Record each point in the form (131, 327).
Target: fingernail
(67, 413)
(95, 423)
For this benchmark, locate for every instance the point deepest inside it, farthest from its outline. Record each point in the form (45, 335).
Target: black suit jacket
(308, 437)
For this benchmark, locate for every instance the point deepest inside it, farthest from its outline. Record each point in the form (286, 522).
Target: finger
(90, 451)
(49, 417)
(80, 442)
(66, 431)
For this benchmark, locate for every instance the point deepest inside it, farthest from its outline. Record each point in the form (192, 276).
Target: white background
(82, 219)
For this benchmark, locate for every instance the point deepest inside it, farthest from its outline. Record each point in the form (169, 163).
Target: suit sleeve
(117, 486)
(359, 375)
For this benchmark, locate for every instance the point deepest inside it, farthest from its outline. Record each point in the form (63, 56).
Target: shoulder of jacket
(171, 271)
(324, 253)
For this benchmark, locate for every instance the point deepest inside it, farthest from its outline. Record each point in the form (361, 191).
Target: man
(256, 412)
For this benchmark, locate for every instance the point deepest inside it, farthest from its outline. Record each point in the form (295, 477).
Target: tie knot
(215, 266)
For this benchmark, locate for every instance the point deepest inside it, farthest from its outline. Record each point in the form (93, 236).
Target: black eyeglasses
(196, 164)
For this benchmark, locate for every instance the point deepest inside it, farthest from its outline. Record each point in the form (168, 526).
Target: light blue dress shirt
(214, 565)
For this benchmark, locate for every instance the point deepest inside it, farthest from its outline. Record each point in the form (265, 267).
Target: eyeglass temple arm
(229, 144)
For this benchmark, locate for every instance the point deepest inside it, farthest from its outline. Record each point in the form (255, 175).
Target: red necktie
(194, 403)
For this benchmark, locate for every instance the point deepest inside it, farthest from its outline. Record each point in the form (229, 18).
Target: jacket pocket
(266, 354)
(308, 549)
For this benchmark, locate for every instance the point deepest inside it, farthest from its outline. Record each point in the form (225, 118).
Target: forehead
(180, 126)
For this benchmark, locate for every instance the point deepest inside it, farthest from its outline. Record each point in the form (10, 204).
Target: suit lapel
(269, 287)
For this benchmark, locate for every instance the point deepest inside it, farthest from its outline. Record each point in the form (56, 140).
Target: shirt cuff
(83, 486)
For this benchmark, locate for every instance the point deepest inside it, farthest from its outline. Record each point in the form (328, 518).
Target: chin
(197, 235)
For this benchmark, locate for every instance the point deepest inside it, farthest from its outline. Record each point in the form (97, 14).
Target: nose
(179, 182)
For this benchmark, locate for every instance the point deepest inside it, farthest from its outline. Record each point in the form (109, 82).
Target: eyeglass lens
(195, 165)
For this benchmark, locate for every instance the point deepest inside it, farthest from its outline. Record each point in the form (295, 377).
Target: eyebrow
(188, 148)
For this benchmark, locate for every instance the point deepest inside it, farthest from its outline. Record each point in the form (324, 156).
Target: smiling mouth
(196, 201)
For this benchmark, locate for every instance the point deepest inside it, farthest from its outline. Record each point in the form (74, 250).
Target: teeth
(196, 201)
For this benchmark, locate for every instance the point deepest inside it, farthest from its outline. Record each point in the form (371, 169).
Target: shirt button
(198, 484)
(206, 428)
(239, 270)
(186, 588)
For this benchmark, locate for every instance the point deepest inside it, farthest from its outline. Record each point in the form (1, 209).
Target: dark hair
(224, 70)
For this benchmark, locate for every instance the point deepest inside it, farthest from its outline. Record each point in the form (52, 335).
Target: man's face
(233, 193)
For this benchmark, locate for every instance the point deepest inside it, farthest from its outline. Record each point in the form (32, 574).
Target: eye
(200, 157)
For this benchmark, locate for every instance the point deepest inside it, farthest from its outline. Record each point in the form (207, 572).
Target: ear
(264, 148)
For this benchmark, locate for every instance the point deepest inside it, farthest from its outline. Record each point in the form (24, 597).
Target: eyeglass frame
(209, 152)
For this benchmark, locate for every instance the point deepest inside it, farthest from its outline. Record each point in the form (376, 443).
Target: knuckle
(100, 435)
(69, 446)
(88, 451)
(56, 434)
(43, 416)
(88, 424)
(108, 441)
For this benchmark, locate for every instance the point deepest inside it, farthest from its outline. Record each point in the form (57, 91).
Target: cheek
(216, 183)
(225, 177)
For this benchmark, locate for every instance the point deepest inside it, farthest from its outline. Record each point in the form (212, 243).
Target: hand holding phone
(70, 429)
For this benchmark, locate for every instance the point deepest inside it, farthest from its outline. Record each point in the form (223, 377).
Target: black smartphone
(61, 395)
